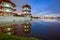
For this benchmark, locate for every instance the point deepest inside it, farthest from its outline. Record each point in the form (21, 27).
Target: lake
(46, 29)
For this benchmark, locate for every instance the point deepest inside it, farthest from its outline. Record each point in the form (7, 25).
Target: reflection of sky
(46, 30)
(40, 6)
(46, 20)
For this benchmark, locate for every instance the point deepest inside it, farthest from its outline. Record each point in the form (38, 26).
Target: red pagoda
(7, 8)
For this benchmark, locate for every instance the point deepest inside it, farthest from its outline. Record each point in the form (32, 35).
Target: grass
(12, 37)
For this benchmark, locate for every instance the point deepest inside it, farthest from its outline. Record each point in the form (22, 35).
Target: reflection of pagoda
(7, 8)
(27, 27)
(26, 10)
(8, 29)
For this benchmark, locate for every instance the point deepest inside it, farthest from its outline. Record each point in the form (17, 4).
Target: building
(7, 8)
(26, 10)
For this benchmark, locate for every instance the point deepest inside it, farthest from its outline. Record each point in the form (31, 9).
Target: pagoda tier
(26, 6)
(26, 10)
(7, 8)
(5, 13)
(8, 2)
(27, 14)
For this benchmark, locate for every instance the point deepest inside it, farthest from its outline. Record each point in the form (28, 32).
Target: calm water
(46, 30)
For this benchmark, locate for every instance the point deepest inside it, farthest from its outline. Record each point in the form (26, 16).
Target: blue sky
(40, 6)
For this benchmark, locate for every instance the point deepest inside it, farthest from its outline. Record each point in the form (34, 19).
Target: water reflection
(8, 29)
(50, 20)
(26, 27)
(23, 29)
(46, 28)
(47, 20)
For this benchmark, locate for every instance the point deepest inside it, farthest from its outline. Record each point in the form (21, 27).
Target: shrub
(12, 37)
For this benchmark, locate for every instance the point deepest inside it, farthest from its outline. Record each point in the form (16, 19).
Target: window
(26, 8)
(26, 30)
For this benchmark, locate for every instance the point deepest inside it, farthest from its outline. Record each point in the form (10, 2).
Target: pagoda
(26, 10)
(7, 8)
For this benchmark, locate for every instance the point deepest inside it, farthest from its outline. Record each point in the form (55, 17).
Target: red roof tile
(8, 1)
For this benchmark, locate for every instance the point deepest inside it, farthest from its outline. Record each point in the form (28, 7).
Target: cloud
(41, 7)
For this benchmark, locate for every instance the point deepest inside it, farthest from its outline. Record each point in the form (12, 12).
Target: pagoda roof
(26, 5)
(8, 2)
(26, 10)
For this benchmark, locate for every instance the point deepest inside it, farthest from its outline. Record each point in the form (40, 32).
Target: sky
(40, 7)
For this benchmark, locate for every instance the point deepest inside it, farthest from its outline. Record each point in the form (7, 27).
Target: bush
(12, 37)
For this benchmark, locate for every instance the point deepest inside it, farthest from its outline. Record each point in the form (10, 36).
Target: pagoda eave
(8, 2)
(26, 6)
(7, 7)
(5, 12)
(26, 10)
(28, 14)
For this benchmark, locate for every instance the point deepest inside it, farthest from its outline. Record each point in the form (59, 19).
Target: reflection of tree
(58, 17)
